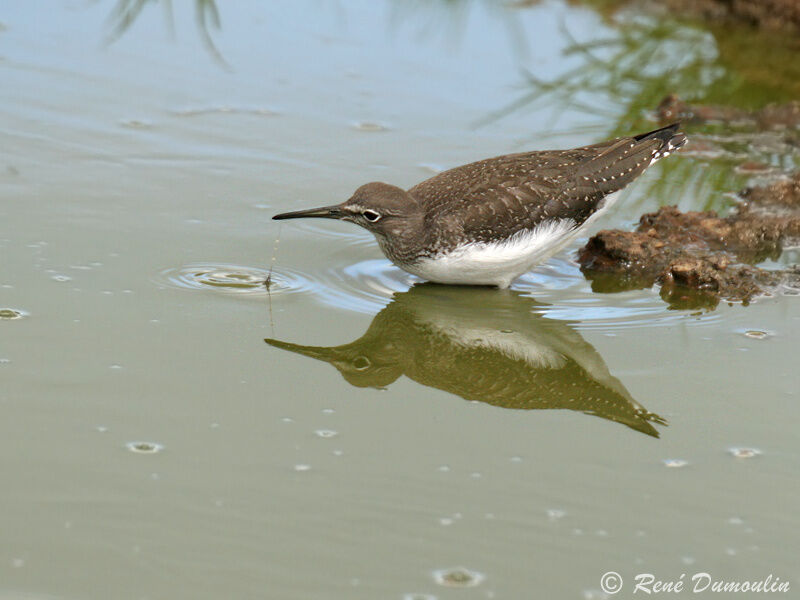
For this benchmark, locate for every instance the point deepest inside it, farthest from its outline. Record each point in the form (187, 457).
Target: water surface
(154, 446)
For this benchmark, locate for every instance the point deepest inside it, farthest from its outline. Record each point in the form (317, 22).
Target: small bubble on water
(475, 475)
(443, 469)
(737, 452)
(61, 277)
(735, 521)
(302, 468)
(287, 420)
(675, 463)
(101, 429)
(446, 521)
(5, 361)
(554, 514)
(136, 123)
(337, 452)
(115, 366)
(755, 334)
(326, 433)
(369, 126)
(595, 595)
(413, 596)
(144, 447)
(688, 560)
(328, 411)
(458, 577)
(516, 459)
(9, 314)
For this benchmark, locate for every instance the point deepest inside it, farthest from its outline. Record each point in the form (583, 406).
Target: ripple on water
(367, 286)
(233, 279)
(11, 314)
(144, 447)
(741, 452)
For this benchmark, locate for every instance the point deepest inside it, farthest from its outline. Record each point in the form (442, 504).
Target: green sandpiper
(488, 222)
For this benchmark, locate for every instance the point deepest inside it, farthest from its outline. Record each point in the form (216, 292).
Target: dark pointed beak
(324, 212)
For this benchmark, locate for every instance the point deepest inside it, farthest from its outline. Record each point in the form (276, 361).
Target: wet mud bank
(700, 258)
(775, 116)
(769, 15)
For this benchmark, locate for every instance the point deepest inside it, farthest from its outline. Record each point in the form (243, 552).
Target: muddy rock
(772, 116)
(772, 15)
(699, 258)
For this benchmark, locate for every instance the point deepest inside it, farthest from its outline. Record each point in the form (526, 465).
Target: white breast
(496, 263)
(499, 263)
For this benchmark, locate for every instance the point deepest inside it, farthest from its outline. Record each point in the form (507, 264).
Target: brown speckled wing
(501, 196)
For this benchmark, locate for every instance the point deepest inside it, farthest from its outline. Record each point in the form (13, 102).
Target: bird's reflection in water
(487, 345)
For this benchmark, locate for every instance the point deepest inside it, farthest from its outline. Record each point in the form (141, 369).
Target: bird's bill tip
(324, 212)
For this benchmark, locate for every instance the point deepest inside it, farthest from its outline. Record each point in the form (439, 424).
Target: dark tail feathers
(669, 136)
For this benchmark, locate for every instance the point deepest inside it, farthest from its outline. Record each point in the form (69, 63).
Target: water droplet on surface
(302, 467)
(443, 469)
(675, 463)
(9, 314)
(554, 514)
(144, 447)
(370, 126)
(744, 452)
(136, 124)
(756, 334)
(326, 433)
(446, 521)
(5, 361)
(458, 577)
(59, 277)
(419, 597)
(233, 279)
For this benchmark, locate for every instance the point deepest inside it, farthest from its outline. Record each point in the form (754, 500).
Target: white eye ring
(371, 215)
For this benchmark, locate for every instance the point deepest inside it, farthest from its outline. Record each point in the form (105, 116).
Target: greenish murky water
(390, 439)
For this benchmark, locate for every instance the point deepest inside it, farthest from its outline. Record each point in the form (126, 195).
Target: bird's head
(380, 208)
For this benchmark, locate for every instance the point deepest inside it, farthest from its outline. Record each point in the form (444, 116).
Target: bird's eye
(371, 215)
(361, 363)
